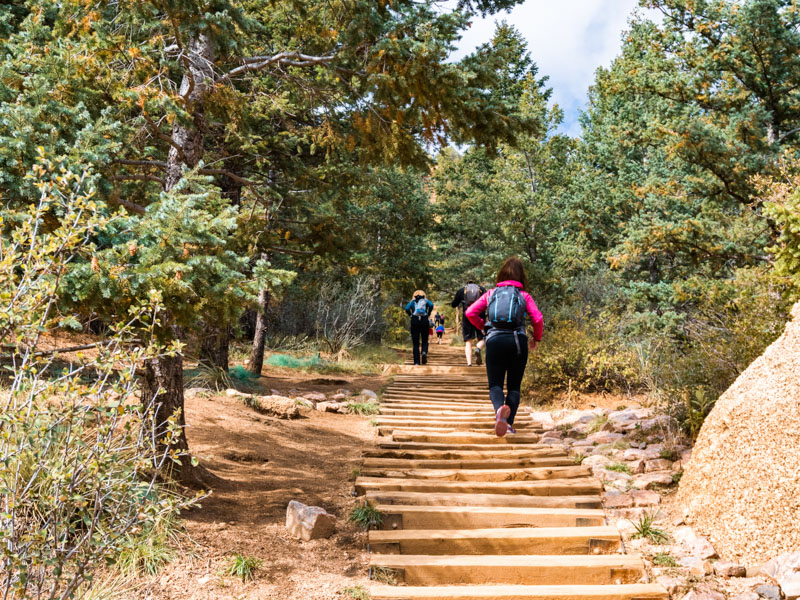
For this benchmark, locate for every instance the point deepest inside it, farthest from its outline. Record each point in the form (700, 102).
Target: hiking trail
(469, 516)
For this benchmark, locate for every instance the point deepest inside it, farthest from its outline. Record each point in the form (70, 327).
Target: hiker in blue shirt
(420, 309)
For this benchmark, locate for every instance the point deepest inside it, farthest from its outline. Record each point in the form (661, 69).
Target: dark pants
(503, 357)
(419, 334)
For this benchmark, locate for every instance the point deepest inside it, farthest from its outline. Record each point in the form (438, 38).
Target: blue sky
(568, 40)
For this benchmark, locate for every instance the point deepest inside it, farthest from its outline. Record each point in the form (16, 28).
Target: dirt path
(265, 462)
(467, 515)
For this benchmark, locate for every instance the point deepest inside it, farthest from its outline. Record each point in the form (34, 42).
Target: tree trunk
(162, 384)
(215, 345)
(256, 362)
(187, 148)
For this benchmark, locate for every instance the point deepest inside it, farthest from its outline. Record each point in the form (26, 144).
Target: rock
(746, 596)
(697, 566)
(369, 394)
(583, 444)
(343, 391)
(309, 522)
(626, 526)
(631, 454)
(645, 498)
(768, 591)
(277, 406)
(196, 391)
(785, 571)
(544, 418)
(339, 396)
(637, 466)
(596, 460)
(657, 464)
(697, 545)
(651, 480)
(275, 392)
(553, 433)
(232, 393)
(678, 521)
(671, 584)
(729, 569)
(294, 392)
(640, 445)
(331, 407)
(616, 500)
(704, 594)
(604, 437)
(315, 396)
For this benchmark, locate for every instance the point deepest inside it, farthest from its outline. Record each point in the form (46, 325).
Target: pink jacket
(473, 313)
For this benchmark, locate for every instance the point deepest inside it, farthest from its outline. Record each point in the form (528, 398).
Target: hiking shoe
(478, 359)
(511, 430)
(424, 358)
(500, 423)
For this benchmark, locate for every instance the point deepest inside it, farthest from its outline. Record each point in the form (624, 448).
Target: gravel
(742, 485)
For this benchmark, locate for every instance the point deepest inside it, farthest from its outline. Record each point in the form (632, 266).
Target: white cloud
(568, 40)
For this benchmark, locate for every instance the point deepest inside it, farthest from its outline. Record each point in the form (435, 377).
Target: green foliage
(80, 459)
(356, 593)
(645, 528)
(146, 552)
(366, 516)
(242, 567)
(664, 559)
(363, 408)
(210, 377)
(578, 458)
(385, 575)
(619, 468)
(597, 423)
(669, 454)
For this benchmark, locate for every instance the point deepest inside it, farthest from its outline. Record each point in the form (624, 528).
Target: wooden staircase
(467, 515)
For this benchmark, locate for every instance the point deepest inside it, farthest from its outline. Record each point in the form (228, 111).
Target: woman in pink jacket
(507, 342)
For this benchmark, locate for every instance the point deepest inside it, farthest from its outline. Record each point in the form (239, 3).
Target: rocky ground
(639, 456)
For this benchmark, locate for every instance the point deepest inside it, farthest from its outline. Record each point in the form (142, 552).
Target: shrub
(243, 567)
(356, 593)
(82, 457)
(363, 408)
(645, 528)
(366, 515)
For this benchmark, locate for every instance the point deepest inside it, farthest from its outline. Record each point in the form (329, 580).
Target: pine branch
(293, 59)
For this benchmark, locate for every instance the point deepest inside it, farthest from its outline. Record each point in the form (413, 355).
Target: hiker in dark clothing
(420, 309)
(438, 319)
(465, 298)
(507, 342)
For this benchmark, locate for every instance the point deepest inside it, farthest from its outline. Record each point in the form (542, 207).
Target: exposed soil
(265, 462)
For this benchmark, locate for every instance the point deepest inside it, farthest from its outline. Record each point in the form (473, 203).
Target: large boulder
(741, 485)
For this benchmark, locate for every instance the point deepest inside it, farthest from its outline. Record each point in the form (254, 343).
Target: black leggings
(503, 356)
(418, 334)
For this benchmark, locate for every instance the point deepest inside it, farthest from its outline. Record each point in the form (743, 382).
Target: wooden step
(443, 419)
(510, 570)
(413, 452)
(395, 445)
(550, 487)
(514, 474)
(379, 497)
(635, 591)
(398, 516)
(482, 463)
(514, 540)
(465, 438)
(485, 429)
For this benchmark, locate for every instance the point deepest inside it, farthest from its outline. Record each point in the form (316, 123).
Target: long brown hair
(513, 269)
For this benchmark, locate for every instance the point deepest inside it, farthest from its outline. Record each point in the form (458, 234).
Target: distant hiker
(438, 319)
(420, 309)
(439, 333)
(507, 343)
(464, 298)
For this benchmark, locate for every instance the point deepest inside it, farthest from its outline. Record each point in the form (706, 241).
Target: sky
(568, 40)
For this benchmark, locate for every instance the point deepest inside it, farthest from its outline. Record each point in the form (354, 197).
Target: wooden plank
(551, 487)
(512, 570)
(395, 445)
(455, 499)
(488, 462)
(635, 591)
(411, 451)
(515, 540)
(465, 438)
(480, 517)
(514, 474)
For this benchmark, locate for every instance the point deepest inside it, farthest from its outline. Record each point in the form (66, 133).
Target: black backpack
(471, 293)
(506, 308)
